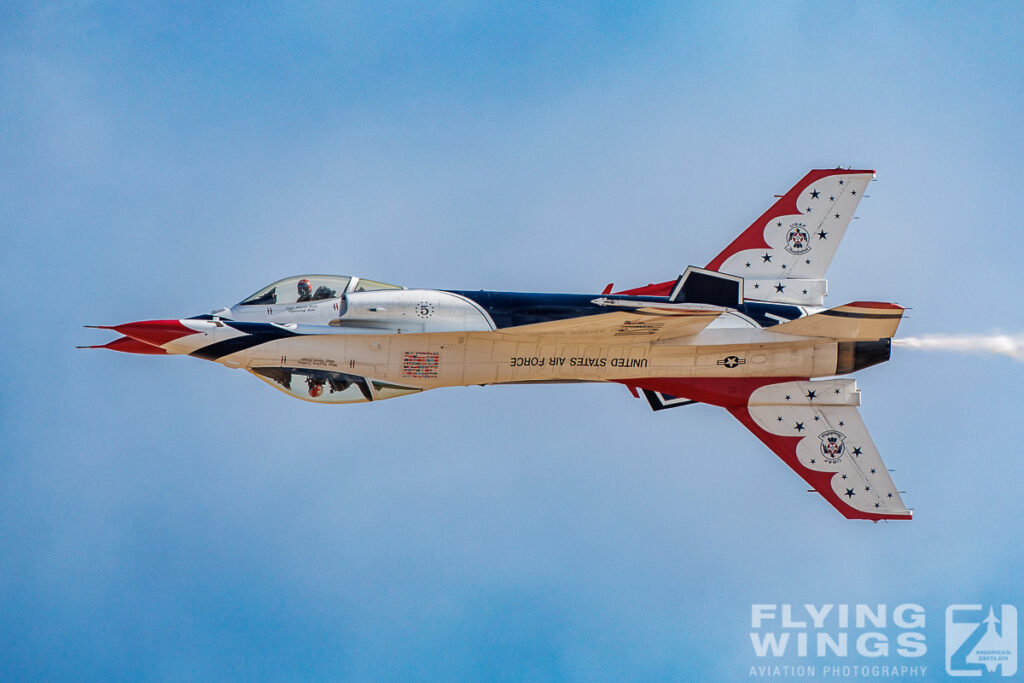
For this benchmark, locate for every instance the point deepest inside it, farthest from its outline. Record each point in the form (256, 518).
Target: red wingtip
(154, 332)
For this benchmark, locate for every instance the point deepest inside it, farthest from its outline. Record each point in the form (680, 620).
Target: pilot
(315, 386)
(305, 290)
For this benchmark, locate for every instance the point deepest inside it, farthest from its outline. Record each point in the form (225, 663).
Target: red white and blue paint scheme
(748, 332)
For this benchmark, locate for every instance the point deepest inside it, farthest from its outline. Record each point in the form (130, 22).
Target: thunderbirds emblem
(832, 446)
(798, 240)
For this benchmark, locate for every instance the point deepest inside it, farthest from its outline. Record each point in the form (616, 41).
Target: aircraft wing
(648, 323)
(815, 428)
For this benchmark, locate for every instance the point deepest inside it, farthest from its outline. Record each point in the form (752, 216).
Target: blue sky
(165, 518)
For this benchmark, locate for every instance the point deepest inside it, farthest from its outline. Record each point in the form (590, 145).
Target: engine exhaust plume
(1011, 345)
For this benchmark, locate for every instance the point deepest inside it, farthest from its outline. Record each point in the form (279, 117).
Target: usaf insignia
(798, 240)
(832, 446)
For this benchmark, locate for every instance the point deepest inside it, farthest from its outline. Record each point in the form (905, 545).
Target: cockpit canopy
(303, 288)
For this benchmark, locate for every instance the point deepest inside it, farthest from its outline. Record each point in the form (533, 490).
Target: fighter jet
(748, 332)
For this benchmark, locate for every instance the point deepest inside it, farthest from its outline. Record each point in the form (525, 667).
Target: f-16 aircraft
(748, 332)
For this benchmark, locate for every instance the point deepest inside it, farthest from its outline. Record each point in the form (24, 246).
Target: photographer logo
(981, 640)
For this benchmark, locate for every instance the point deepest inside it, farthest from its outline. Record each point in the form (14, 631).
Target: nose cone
(154, 332)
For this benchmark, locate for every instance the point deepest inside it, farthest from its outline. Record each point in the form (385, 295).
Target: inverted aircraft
(748, 332)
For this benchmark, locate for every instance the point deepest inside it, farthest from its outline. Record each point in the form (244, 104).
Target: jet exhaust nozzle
(858, 355)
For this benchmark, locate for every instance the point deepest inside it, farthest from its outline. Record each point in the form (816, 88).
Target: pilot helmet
(305, 288)
(316, 389)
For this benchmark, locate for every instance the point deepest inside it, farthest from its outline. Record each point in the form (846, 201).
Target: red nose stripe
(155, 332)
(129, 345)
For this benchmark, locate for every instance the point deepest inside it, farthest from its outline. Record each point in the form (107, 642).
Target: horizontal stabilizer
(784, 254)
(798, 236)
(858, 320)
(794, 291)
